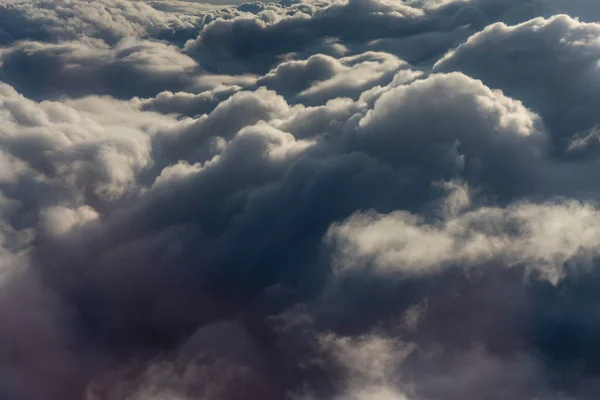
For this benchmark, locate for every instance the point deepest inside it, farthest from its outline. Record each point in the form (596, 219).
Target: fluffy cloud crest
(540, 236)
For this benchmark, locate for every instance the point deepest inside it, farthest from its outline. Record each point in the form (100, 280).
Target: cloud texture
(357, 200)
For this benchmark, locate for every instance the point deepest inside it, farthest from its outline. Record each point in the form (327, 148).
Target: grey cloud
(298, 203)
(549, 64)
(201, 215)
(453, 126)
(321, 78)
(221, 360)
(189, 104)
(110, 20)
(216, 204)
(199, 139)
(295, 76)
(232, 45)
(415, 30)
(72, 153)
(79, 68)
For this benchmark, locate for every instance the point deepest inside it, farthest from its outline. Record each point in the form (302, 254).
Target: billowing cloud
(111, 20)
(78, 68)
(324, 200)
(544, 237)
(550, 64)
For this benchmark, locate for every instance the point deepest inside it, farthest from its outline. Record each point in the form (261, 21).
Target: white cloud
(550, 64)
(542, 237)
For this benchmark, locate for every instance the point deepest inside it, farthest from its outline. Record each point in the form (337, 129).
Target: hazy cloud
(362, 199)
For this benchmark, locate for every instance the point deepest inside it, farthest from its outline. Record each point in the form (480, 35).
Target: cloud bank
(305, 200)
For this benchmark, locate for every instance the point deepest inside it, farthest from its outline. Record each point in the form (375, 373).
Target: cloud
(109, 20)
(550, 64)
(327, 200)
(298, 29)
(189, 104)
(369, 363)
(88, 67)
(544, 237)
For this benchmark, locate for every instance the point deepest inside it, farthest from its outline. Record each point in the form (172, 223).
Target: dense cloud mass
(303, 200)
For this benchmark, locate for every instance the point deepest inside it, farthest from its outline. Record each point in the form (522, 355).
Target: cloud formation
(363, 199)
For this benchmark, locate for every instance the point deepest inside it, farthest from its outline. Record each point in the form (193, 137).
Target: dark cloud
(89, 66)
(110, 20)
(189, 104)
(417, 31)
(305, 200)
(550, 64)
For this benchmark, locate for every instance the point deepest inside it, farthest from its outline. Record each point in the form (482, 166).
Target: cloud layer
(363, 200)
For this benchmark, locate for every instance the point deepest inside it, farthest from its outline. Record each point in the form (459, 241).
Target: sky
(303, 200)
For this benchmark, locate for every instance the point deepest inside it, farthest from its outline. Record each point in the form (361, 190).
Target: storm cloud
(304, 200)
